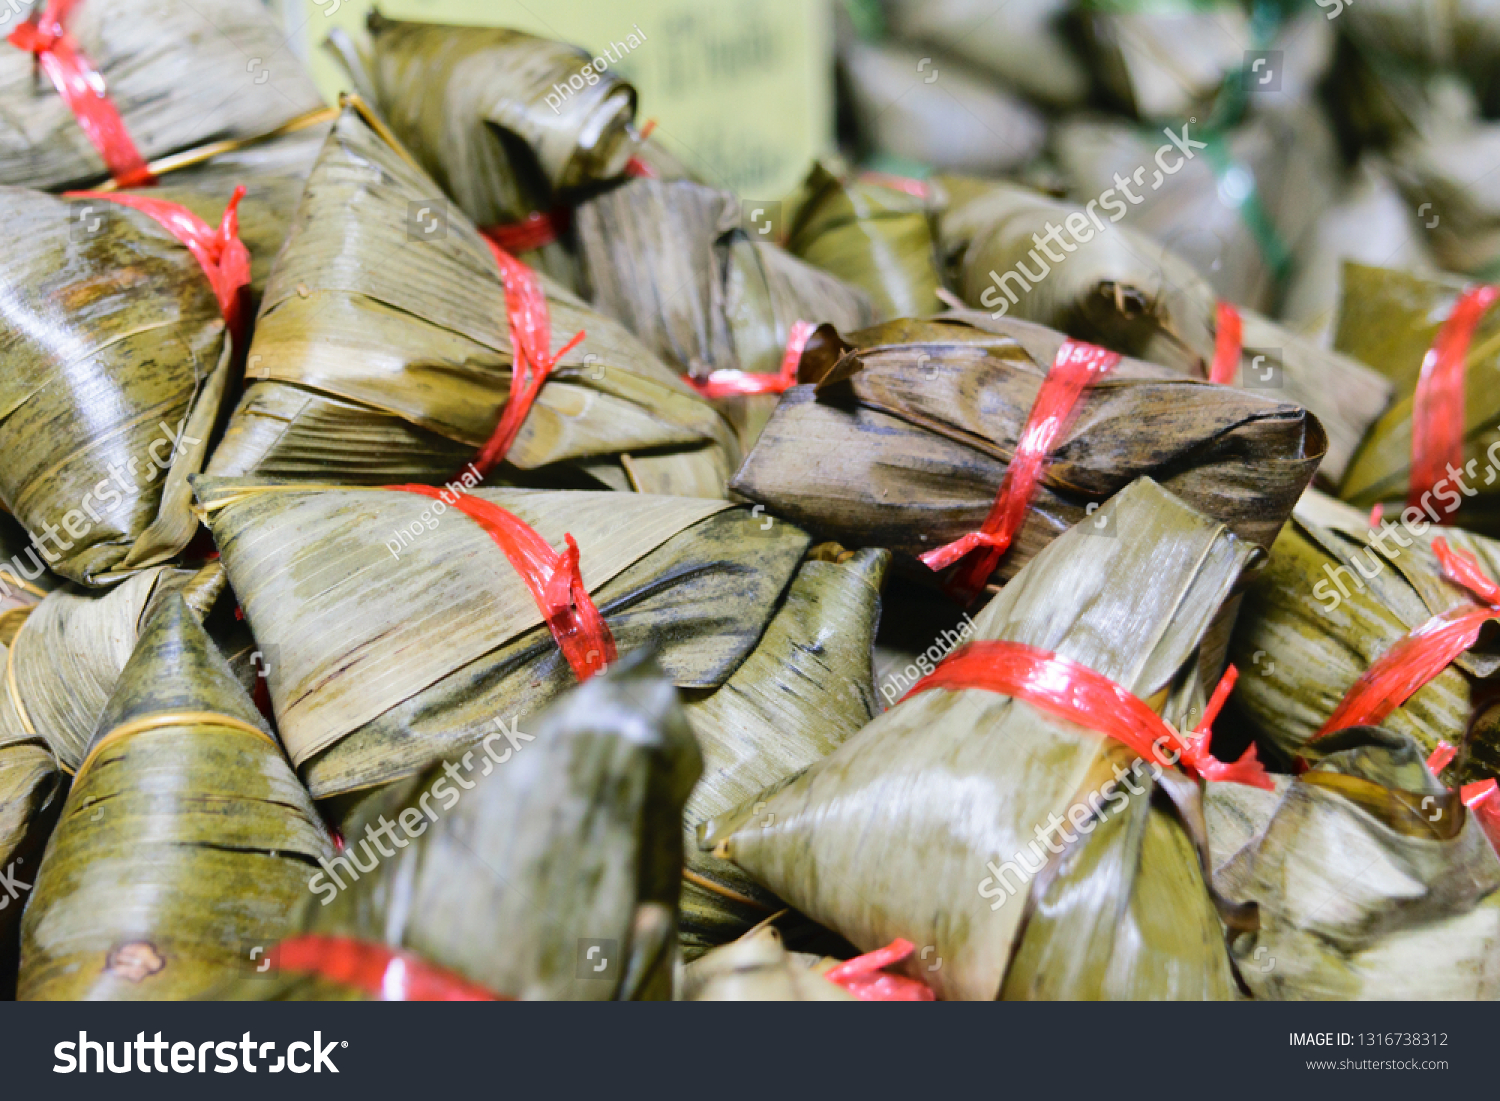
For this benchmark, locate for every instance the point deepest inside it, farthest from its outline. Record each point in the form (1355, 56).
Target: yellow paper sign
(741, 92)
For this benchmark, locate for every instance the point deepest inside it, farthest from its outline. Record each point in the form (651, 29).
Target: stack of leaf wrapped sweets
(445, 556)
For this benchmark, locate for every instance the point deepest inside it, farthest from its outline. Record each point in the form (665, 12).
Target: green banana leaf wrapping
(758, 968)
(804, 689)
(117, 365)
(179, 75)
(1372, 882)
(943, 113)
(424, 639)
(1371, 224)
(906, 435)
(1286, 158)
(1447, 173)
(1456, 37)
(382, 355)
(570, 835)
(1022, 42)
(876, 237)
(669, 261)
(1389, 319)
(890, 835)
(1124, 291)
(273, 173)
(185, 839)
(1165, 61)
(1329, 602)
(480, 109)
(64, 660)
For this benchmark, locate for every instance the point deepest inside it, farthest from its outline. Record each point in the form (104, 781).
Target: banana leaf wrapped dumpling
(1421, 916)
(369, 370)
(117, 341)
(1114, 286)
(427, 632)
(1331, 619)
(805, 688)
(502, 120)
(186, 838)
(1438, 445)
(901, 434)
(175, 75)
(891, 836)
(560, 835)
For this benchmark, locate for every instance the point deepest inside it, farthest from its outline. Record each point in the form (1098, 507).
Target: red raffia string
(537, 230)
(637, 167)
(1479, 797)
(375, 969)
(554, 579)
(918, 189)
(1377, 514)
(1442, 757)
(1437, 418)
(531, 346)
(1415, 660)
(1229, 341)
(220, 253)
(864, 978)
(738, 384)
(83, 89)
(1074, 692)
(1076, 368)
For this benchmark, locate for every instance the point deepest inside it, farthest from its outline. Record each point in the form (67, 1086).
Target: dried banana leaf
(1124, 291)
(1284, 162)
(117, 367)
(905, 440)
(179, 75)
(959, 121)
(1389, 319)
(1448, 173)
(1373, 882)
(186, 837)
(1463, 37)
(876, 237)
(65, 659)
(422, 644)
(889, 835)
(758, 968)
(669, 261)
(30, 796)
(382, 355)
(805, 688)
(1167, 61)
(1329, 602)
(1023, 42)
(481, 110)
(570, 838)
(1370, 224)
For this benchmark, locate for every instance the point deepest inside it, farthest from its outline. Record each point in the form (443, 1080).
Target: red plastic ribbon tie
(918, 189)
(864, 978)
(219, 252)
(1415, 660)
(637, 167)
(554, 579)
(537, 230)
(1377, 514)
(1229, 343)
(82, 88)
(1437, 417)
(1482, 803)
(1077, 367)
(738, 384)
(1074, 692)
(531, 348)
(1442, 756)
(376, 969)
